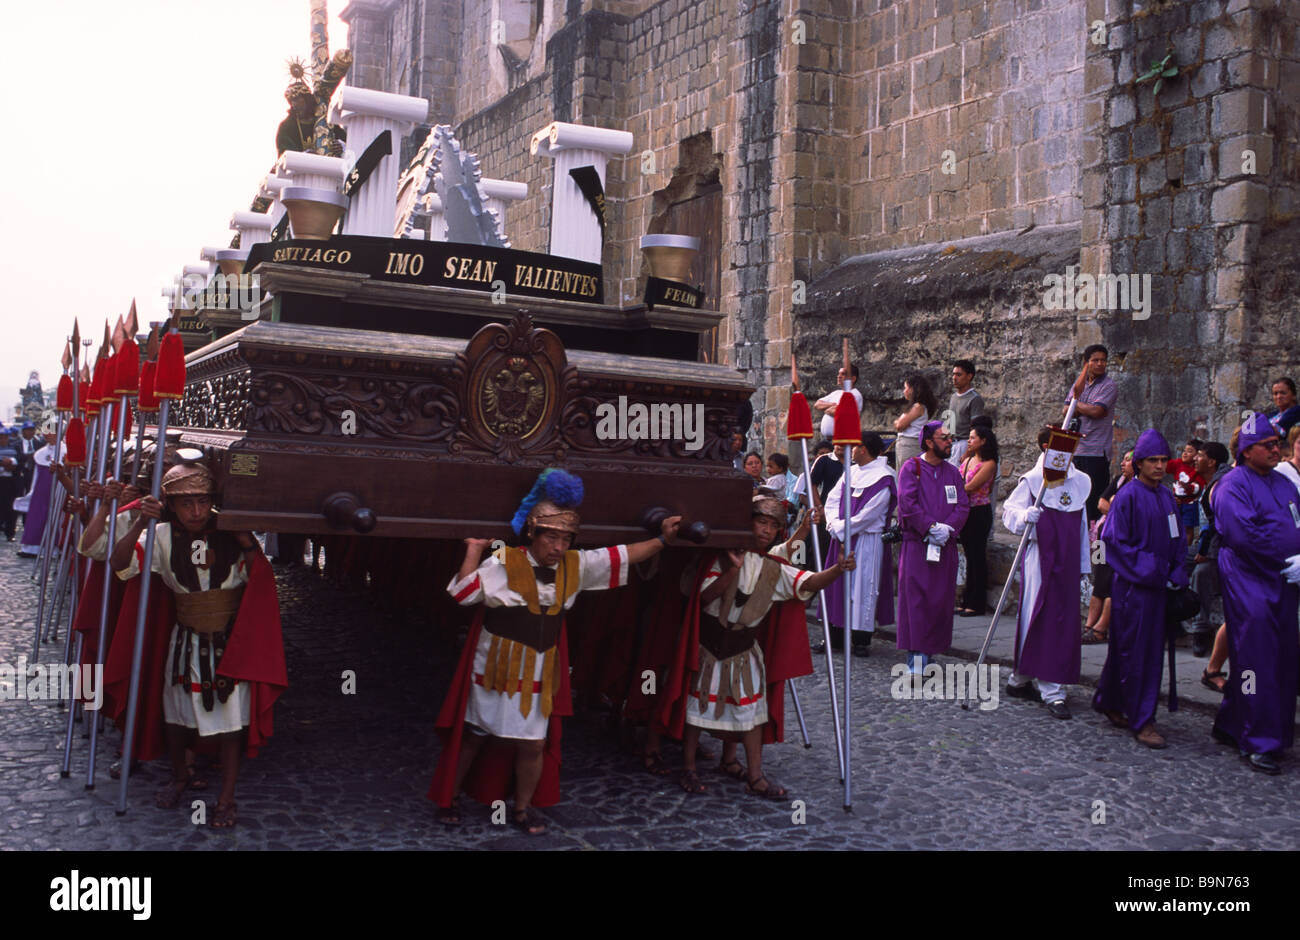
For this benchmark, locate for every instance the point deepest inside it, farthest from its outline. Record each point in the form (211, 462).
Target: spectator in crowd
(978, 469)
(1287, 410)
(826, 404)
(1289, 467)
(921, 406)
(965, 404)
(986, 421)
(782, 482)
(27, 444)
(1188, 485)
(1098, 625)
(754, 467)
(738, 450)
(1211, 463)
(1257, 516)
(10, 480)
(1145, 547)
(1095, 393)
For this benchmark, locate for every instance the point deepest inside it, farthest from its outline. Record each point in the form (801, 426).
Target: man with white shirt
(1047, 651)
(826, 404)
(873, 494)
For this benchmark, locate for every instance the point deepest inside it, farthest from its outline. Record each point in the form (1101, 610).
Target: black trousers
(974, 542)
(8, 493)
(1098, 470)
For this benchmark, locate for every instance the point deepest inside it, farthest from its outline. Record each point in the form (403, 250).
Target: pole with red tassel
(798, 427)
(848, 431)
(121, 380)
(75, 458)
(168, 386)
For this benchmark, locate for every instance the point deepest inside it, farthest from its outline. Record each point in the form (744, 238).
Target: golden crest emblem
(513, 399)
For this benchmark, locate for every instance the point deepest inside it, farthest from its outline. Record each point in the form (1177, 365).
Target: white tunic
(182, 705)
(498, 713)
(750, 711)
(867, 526)
(1067, 497)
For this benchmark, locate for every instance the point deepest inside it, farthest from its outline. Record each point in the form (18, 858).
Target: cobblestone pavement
(350, 771)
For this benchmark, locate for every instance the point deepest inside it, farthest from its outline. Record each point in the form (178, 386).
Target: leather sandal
(735, 770)
(528, 822)
(1092, 637)
(224, 816)
(690, 782)
(770, 791)
(1207, 680)
(654, 764)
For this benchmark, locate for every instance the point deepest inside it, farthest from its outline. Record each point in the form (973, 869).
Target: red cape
(254, 654)
(783, 638)
(492, 776)
(663, 623)
(89, 599)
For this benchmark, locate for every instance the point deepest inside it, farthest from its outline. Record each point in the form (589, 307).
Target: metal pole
(137, 650)
(60, 586)
(1015, 566)
(848, 627)
(826, 627)
(47, 542)
(100, 651)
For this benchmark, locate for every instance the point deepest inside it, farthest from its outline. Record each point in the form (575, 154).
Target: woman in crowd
(754, 468)
(921, 406)
(978, 468)
(1098, 625)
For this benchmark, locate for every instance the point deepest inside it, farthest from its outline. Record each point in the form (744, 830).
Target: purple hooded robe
(927, 591)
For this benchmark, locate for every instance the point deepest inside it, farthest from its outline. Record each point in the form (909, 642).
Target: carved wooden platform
(435, 437)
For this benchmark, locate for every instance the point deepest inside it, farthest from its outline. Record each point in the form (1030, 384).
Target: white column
(311, 170)
(253, 227)
(575, 231)
(500, 193)
(366, 114)
(270, 189)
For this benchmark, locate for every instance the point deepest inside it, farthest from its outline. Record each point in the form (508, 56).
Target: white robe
(866, 526)
(1067, 497)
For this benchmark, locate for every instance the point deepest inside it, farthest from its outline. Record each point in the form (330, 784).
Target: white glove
(1033, 514)
(939, 534)
(1292, 570)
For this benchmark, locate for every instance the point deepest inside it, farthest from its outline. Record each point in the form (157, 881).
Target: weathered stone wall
(832, 119)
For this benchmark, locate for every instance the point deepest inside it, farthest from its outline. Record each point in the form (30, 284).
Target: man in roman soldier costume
(1047, 652)
(225, 659)
(745, 633)
(501, 715)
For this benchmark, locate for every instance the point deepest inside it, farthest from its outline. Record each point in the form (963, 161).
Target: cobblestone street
(350, 771)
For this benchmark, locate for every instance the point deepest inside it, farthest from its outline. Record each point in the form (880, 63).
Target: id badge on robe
(950, 492)
(1173, 526)
(1295, 514)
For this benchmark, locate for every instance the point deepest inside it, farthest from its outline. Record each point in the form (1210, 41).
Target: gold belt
(208, 611)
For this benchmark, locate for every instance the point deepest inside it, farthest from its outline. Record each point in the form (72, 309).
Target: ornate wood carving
(513, 381)
(315, 403)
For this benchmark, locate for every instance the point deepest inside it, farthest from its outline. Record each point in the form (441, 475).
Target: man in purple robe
(1257, 517)
(932, 508)
(1146, 548)
(1047, 651)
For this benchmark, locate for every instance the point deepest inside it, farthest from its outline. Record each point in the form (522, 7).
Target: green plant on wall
(1160, 71)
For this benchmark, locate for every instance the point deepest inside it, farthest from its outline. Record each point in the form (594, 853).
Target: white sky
(133, 130)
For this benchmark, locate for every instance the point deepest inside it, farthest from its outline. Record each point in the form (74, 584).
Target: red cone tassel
(848, 423)
(169, 380)
(128, 369)
(798, 424)
(63, 398)
(83, 397)
(147, 401)
(74, 439)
